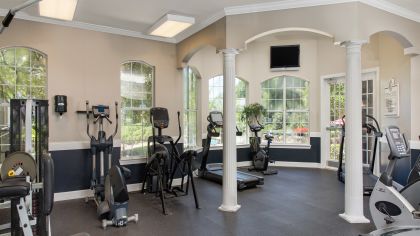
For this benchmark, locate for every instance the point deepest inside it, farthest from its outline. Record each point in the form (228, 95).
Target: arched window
(216, 104)
(191, 77)
(286, 99)
(137, 79)
(23, 74)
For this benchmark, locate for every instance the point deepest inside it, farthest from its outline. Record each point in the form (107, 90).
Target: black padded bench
(14, 188)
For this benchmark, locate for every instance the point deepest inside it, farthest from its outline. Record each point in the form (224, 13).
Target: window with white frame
(191, 77)
(23, 74)
(286, 99)
(137, 79)
(216, 104)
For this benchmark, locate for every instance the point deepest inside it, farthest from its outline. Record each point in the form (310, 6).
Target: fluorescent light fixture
(60, 9)
(170, 25)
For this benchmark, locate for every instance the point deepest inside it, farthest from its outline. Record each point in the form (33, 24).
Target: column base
(229, 208)
(355, 219)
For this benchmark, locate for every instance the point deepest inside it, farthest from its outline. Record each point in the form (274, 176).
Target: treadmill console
(216, 118)
(397, 143)
(100, 111)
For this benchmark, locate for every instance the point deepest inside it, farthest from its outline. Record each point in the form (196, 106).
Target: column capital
(353, 43)
(229, 51)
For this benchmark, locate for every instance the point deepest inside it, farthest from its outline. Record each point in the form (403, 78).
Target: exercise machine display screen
(100, 110)
(159, 117)
(397, 143)
(216, 117)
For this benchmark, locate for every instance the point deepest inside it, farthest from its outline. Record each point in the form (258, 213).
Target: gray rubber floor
(297, 201)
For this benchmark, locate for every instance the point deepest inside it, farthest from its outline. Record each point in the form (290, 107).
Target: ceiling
(134, 17)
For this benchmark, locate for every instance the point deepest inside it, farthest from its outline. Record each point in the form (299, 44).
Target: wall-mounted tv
(285, 57)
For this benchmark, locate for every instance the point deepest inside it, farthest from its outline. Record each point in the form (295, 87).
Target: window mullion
(284, 109)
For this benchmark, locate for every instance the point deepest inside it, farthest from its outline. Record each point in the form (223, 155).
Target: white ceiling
(134, 17)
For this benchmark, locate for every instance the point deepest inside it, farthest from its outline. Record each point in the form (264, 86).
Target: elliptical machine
(368, 177)
(395, 212)
(260, 156)
(110, 189)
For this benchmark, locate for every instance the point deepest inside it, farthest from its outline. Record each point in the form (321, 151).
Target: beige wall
(319, 57)
(393, 64)
(338, 20)
(213, 35)
(253, 65)
(85, 65)
(209, 64)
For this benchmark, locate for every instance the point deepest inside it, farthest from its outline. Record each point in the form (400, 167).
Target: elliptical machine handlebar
(87, 119)
(179, 128)
(116, 120)
(101, 118)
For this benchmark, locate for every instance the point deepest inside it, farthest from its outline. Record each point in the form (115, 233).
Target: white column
(353, 211)
(415, 96)
(230, 192)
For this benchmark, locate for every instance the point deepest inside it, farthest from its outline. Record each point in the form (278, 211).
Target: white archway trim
(412, 51)
(281, 30)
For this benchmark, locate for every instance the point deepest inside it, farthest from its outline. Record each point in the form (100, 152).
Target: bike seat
(269, 136)
(14, 188)
(255, 128)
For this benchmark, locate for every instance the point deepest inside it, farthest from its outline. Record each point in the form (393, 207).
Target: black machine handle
(262, 126)
(87, 119)
(12, 12)
(179, 129)
(116, 120)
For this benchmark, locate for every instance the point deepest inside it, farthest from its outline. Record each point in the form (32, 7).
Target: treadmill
(214, 172)
(369, 179)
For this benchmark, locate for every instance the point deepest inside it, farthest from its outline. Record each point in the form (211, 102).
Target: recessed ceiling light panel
(59, 9)
(170, 25)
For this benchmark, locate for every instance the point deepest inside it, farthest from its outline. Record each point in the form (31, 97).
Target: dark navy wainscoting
(278, 154)
(414, 154)
(402, 166)
(73, 169)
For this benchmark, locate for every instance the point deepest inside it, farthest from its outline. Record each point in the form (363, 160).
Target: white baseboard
(244, 163)
(297, 164)
(80, 194)
(355, 219)
(284, 164)
(331, 168)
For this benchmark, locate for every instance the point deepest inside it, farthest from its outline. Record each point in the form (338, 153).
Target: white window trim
(198, 104)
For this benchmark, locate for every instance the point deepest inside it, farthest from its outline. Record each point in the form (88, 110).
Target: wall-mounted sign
(392, 99)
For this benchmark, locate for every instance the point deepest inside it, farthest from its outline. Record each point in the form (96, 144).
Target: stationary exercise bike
(260, 156)
(110, 189)
(395, 212)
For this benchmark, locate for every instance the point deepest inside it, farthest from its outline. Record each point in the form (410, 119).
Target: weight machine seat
(14, 188)
(119, 188)
(48, 182)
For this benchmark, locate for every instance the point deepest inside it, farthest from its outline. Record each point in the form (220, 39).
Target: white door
(335, 110)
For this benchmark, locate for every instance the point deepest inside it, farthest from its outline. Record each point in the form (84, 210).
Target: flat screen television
(285, 57)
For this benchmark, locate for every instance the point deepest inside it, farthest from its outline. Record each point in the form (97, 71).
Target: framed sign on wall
(392, 99)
